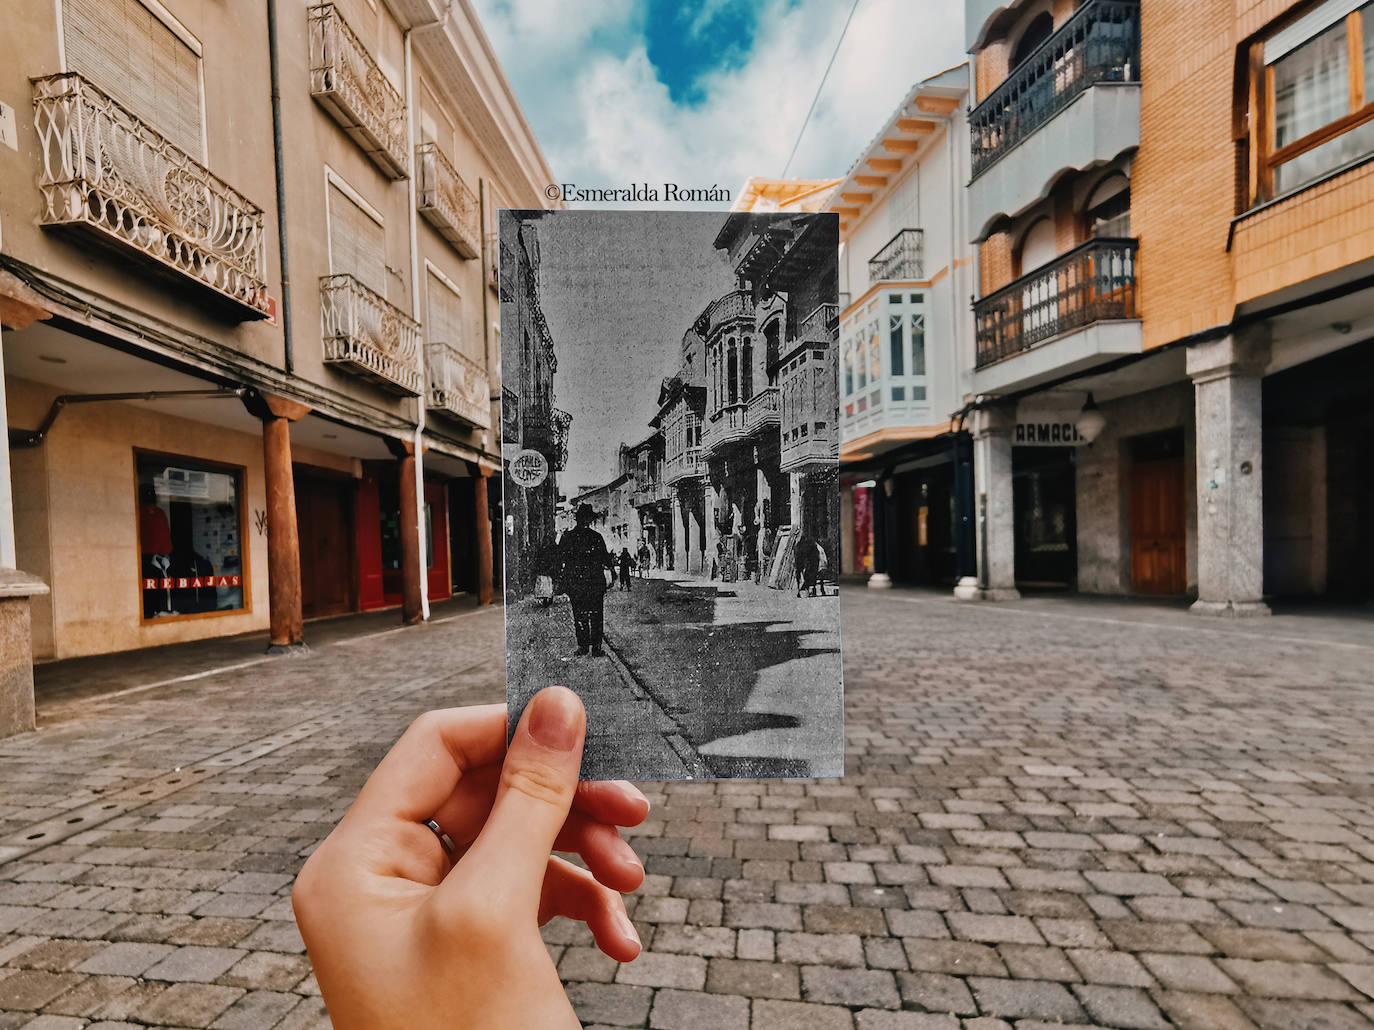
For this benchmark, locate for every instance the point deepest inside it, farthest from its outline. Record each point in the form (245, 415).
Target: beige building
(248, 287)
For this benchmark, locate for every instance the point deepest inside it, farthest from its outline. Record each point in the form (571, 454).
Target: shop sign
(529, 468)
(1047, 434)
(190, 582)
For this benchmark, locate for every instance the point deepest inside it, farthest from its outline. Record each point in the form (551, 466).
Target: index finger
(423, 768)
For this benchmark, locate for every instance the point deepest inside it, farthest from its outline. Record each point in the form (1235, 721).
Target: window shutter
(128, 52)
(445, 316)
(1315, 21)
(357, 242)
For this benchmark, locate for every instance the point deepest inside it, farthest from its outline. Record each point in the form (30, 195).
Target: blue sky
(707, 94)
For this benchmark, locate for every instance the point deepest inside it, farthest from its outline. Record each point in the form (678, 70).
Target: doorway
(324, 520)
(1044, 513)
(1159, 518)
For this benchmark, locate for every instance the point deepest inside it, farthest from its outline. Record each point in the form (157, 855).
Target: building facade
(251, 327)
(1171, 204)
(906, 273)
(681, 411)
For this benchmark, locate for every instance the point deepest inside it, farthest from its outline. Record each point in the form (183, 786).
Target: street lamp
(1091, 421)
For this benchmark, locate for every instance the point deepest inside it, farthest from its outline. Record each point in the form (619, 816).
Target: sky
(618, 290)
(707, 94)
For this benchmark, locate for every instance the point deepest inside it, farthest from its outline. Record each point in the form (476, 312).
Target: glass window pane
(1347, 147)
(918, 345)
(918, 393)
(894, 335)
(899, 393)
(875, 368)
(917, 298)
(1311, 86)
(189, 519)
(1367, 17)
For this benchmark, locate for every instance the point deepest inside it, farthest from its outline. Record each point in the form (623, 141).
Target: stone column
(996, 536)
(482, 527)
(285, 626)
(412, 610)
(880, 580)
(16, 650)
(1227, 379)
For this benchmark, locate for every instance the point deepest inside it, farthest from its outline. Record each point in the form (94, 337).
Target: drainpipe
(411, 199)
(279, 165)
(9, 555)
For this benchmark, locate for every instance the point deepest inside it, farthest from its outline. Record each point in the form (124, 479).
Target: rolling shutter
(128, 51)
(445, 316)
(357, 242)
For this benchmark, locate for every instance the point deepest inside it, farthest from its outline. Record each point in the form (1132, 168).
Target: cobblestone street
(1056, 812)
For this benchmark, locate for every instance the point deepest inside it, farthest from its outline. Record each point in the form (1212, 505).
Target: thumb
(538, 780)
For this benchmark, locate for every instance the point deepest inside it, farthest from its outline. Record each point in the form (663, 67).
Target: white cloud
(604, 119)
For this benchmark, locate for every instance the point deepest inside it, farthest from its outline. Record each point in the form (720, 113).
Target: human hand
(402, 936)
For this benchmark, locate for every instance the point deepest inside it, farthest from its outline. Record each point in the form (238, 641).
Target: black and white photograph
(669, 429)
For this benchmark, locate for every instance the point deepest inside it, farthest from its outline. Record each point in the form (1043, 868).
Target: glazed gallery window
(190, 537)
(1318, 87)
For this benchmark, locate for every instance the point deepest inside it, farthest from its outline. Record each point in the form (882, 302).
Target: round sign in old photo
(529, 468)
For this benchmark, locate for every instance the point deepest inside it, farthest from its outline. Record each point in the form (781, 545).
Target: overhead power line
(807, 120)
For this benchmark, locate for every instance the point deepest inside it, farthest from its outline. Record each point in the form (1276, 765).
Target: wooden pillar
(286, 627)
(412, 610)
(482, 527)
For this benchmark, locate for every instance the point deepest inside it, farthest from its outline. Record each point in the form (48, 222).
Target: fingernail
(556, 718)
(627, 928)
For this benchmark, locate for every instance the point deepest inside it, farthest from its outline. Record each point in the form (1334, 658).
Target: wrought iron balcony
(369, 336)
(735, 305)
(687, 465)
(1100, 42)
(546, 431)
(821, 325)
(348, 83)
(1093, 282)
(900, 259)
(457, 384)
(445, 201)
(510, 415)
(763, 410)
(107, 172)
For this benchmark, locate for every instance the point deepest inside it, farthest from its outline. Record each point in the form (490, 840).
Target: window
(1109, 208)
(190, 537)
(445, 316)
(918, 345)
(141, 61)
(1316, 95)
(896, 356)
(357, 241)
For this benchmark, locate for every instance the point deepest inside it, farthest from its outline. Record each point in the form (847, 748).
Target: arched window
(732, 371)
(771, 351)
(1038, 247)
(1040, 297)
(1041, 27)
(1109, 207)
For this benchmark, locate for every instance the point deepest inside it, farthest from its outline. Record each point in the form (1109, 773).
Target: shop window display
(190, 537)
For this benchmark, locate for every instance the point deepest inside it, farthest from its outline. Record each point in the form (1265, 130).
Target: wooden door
(1158, 527)
(324, 524)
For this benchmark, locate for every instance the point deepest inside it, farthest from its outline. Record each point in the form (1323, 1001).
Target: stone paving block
(754, 979)
(1283, 945)
(256, 1010)
(612, 1004)
(1025, 999)
(54, 1023)
(879, 1019)
(31, 989)
(588, 964)
(842, 919)
(126, 958)
(755, 944)
(267, 970)
(90, 996)
(1131, 884)
(190, 1004)
(884, 953)
(971, 926)
(794, 1015)
(1275, 1014)
(1127, 1007)
(201, 965)
(825, 949)
(870, 988)
(687, 972)
(1360, 976)
(1188, 973)
(1036, 962)
(762, 915)
(707, 941)
(1268, 978)
(936, 992)
(693, 1010)
(959, 958)
(1202, 1011)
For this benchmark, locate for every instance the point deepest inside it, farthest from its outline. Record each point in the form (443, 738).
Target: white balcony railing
(763, 409)
(106, 170)
(369, 336)
(445, 201)
(349, 84)
(457, 384)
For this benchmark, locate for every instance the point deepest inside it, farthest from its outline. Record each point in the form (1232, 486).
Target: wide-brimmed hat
(585, 513)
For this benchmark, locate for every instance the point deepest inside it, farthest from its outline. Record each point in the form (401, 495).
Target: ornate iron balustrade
(1100, 42)
(562, 424)
(107, 171)
(546, 431)
(510, 415)
(763, 409)
(367, 335)
(900, 259)
(348, 83)
(687, 465)
(445, 201)
(822, 324)
(1092, 282)
(457, 384)
(737, 304)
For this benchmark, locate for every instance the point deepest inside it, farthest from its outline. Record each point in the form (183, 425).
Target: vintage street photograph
(669, 434)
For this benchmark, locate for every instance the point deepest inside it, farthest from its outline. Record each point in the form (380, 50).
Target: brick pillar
(286, 627)
(1227, 379)
(412, 610)
(482, 524)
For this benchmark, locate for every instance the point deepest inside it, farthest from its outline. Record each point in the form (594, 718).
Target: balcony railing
(1100, 42)
(562, 423)
(738, 304)
(687, 465)
(725, 426)
(763, 410)
(546, 431)
(510, 415)
(495, 259)
(369, 336)
(457, 384)
(1093, 282)
(444, 199)
(348, 84)
(900, 259)
(821, 324)
(107, 171)
(809, 396)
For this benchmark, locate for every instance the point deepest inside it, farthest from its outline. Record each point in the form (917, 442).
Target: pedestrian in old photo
(583, 561)
(645, 557)
(627, 564)
(808, 558)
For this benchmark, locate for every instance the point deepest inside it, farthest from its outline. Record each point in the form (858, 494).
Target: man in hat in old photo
(583, 561)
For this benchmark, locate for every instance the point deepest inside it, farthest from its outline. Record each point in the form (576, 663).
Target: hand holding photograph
(669, 427)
